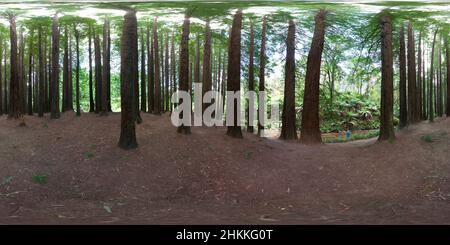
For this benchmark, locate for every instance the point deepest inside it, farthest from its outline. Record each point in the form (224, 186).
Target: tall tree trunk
(5, 98)
(197, 62)
(65, 94)
(251, 76)
(128, 74)
(262, 66)
(166, 74)
(108, 70)
(46, 107)
(439, 74)
(310, 128)
(419, 80)
(151, 74)
(70, 85)
(402, 83)
(23, 81)
(91, 89)
(288, 129)
(98, 74)
(30, 77)
(1, 80)
(55, 70)
(173, 66)
(15, 99)
(234, 72)
(105, 69)
(41, 75)
(143, 75)
(207, 76)
(387, 97)
(447, 52)
(157, 101)
(77, 81)
(184, 70)
(162, 76)
(424, 84)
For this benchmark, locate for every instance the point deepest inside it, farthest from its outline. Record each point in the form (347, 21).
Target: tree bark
(143, 75)
(419, 80)
(262, 64)
(157, 101)
(128, 75)
(77, 81)
(447, 52)
(310, 129)
(151, 75)
(55, 70)
(439, 79)
(412, 100)
(234, 71)
(30, 77)
(105, 69)
(288, 128)
(251, 75)
(402, 83)
(98, 74)
(430, 89)
(91, 89)
(166, 74)
(207, 76)
(65, 95)
(1, 81)
(387, 97)
(173, 66)
(184, 69)
(41, 75)
(15, 99)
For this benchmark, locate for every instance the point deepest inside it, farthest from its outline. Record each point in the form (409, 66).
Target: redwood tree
(98, 74)
(91, 89)
(412, 94)
(105, 69)
(151, 75)
(430, 89)
(310, 130)
(184, 68)
(14, 98)
(251, 76)
(207, 76)
(447, 52)
(288, 129)
(128, 75)
(262, 65)
(234, 71)
(402, 82)
(41, 75)
(55, 70)
(157, 91)
(65, 94)
(387, 97)
(143, 75)
(77, 81)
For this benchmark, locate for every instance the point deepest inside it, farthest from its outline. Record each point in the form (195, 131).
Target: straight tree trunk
(197, 62)
(1, 80)
(65, 95)
(262, 64)
(173, 66)
(207, 76)
(77, 81)
(23, 83)
(105, 69)
(70, 87)
(310, 128)
(440, 111)
(30, 77)
(15, 99)
(54, 85)
(419, 80)
(447, 52)
(166, 74)
(387, 97)
(41, 75)
(98, 75)
(288, 129)
(402, 83)
(91, 89)
(184, 69)
(151, 74)
(251, 76)
(234, 71)
(143, 75)
(157, 101)
(108, 69)
(128, 75)
(162, 76)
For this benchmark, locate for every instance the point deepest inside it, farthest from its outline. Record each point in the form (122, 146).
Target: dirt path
(209, 178)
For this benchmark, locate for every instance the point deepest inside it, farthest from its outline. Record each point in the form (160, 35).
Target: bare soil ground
(209, 178)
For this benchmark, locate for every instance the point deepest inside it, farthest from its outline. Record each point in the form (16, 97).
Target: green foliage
(40, 179)
(427, 138)
(349, 111)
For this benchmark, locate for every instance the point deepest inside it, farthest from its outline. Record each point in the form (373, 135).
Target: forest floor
(70, 171)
